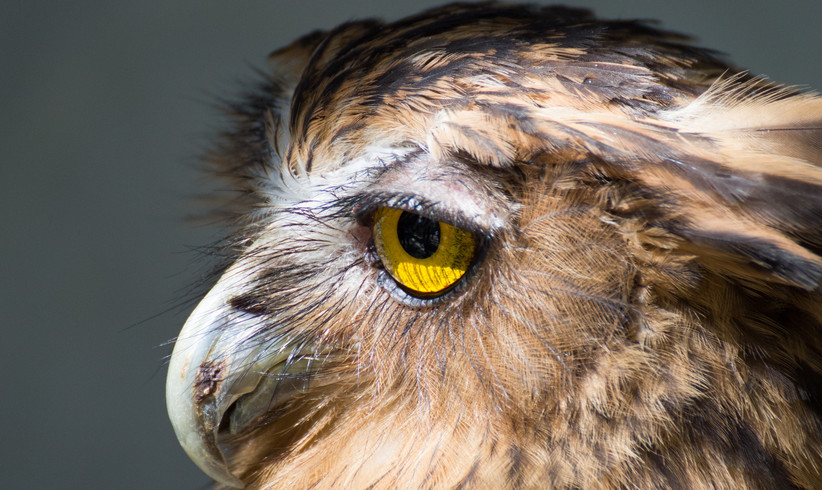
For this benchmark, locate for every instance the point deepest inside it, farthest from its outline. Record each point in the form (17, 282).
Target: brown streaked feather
(649, 310)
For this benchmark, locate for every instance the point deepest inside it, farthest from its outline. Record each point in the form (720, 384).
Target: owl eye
(424, 256)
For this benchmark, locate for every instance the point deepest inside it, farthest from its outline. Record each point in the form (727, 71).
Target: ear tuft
(750, 162)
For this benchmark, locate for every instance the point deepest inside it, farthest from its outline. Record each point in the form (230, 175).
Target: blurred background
(104, 110)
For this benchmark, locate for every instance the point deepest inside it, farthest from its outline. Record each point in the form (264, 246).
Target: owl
(502, 246)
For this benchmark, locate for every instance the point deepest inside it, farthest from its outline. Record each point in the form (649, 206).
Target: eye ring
(424, 257)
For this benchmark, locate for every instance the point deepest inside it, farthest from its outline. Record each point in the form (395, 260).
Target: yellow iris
(423, 255)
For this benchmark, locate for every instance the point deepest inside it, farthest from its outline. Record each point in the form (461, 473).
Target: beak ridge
(207, 373)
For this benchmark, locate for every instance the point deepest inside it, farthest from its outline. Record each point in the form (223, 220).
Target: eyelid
(368, 203)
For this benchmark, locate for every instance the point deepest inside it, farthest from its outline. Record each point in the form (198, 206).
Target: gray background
(104, 108)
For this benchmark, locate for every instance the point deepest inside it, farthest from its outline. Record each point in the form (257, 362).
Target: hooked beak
(223, 359)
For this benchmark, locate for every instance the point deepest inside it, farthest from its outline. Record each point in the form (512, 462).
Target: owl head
(510, 247)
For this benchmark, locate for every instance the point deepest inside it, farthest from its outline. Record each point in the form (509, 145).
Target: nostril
(208, 380)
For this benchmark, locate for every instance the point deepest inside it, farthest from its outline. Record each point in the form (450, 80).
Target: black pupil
(419, 236)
